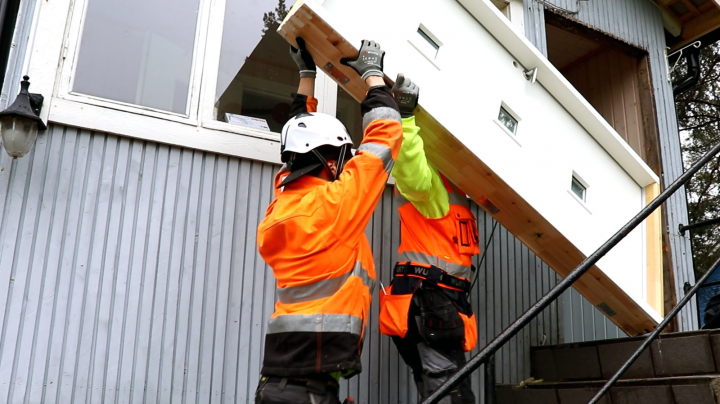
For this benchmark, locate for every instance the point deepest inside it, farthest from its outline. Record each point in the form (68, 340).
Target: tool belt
(431, 274)
(320, 384)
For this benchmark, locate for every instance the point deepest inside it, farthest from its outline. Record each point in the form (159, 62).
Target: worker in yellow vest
(426, 309)
(313, 237)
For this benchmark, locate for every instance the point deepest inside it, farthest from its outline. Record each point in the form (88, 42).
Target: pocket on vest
(470, 332)
(394, 311)
(466, 234)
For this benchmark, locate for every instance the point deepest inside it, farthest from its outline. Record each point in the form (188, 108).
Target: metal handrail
(685, 227)
(509, 332)
(654, 334)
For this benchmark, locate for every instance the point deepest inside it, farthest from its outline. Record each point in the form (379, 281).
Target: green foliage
(699, 120)
(272, 19)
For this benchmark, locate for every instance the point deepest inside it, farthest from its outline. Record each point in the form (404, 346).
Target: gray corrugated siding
(129, 273)
(639, 22)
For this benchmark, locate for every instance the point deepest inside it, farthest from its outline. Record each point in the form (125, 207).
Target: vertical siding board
(197, 277)
(143, 159)
(132, 154)
(23, 280)
(223, 323)
(152, 276)
(509, 269)
(163, 275)
(56, 282)
(75, 272)
(169, 346)
(233, 373)
(91, 214)
(208, 389)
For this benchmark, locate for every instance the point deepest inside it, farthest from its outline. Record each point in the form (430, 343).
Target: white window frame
(63, 22)
(512, 135)
(583, 203)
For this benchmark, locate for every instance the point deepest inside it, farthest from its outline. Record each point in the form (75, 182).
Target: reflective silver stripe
(315, 323)
(380, 113)
(324, 288)
(457, 270)
(383, 152)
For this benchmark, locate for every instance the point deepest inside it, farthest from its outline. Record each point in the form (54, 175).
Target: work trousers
(433, 347)
(276, 390)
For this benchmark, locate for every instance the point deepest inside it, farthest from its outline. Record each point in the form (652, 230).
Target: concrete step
(673, 354)
(668, 390)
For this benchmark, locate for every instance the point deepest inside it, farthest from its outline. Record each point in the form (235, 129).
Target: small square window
(578, 188)
(428, 44)
(508, 120)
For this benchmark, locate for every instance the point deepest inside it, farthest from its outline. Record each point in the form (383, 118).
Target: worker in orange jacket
(426, 309)
(313, 236)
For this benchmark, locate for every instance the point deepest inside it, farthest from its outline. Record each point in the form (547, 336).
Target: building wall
(21, 37)
(129, 272)
(639, 23)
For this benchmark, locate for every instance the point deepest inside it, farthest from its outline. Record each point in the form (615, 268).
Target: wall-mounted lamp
(531, 75)
(20, 122)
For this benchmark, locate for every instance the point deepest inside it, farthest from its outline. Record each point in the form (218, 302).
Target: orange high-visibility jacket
(313, 238)
(448, 242)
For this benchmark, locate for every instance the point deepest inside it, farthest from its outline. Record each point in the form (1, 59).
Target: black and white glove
(369, 61)
(406, 95)
(303, 59)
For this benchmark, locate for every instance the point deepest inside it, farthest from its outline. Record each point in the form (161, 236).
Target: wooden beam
(471, 174)
(691, 7)
(653, 233)
(697, 27)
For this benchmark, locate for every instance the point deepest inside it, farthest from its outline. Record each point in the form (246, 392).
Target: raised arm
(362, 181)
(304, 100)
(415, 178)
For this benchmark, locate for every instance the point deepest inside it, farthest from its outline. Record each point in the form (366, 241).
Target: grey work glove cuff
(308, 73)
(370, 73)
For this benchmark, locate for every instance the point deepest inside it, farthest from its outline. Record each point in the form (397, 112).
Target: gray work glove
(406, 95)
(369, 61)
(303, 59)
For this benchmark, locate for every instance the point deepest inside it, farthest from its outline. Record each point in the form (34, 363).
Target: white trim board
(163, 131)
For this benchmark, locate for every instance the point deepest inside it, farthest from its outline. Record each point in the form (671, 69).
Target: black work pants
(289, 391)
(431, 348)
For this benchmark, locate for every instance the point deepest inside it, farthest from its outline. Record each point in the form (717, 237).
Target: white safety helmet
(305, 133)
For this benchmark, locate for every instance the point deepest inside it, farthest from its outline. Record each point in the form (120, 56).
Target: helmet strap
(341, 160)
(322, 159)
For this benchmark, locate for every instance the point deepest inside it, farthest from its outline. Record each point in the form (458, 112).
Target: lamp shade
(19, 123)
(18, 135)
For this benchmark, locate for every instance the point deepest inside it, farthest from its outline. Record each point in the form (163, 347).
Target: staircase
(678, 368)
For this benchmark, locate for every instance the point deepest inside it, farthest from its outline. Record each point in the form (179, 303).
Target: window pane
(138, 51)
(506, 119)
(257, 74)
(348, 112)
(578, 188)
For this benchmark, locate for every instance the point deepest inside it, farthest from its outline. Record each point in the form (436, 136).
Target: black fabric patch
(303, 353)
(299, 105)
(379, 96)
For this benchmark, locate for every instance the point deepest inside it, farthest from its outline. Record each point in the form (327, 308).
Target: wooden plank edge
(653, 240)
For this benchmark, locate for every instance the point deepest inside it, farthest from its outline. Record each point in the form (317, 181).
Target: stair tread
(673, 354)
(674, 380)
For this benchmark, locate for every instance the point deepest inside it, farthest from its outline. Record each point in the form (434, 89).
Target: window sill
(215, 137)
(507, 132)
(580, 201)
(429, 59)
